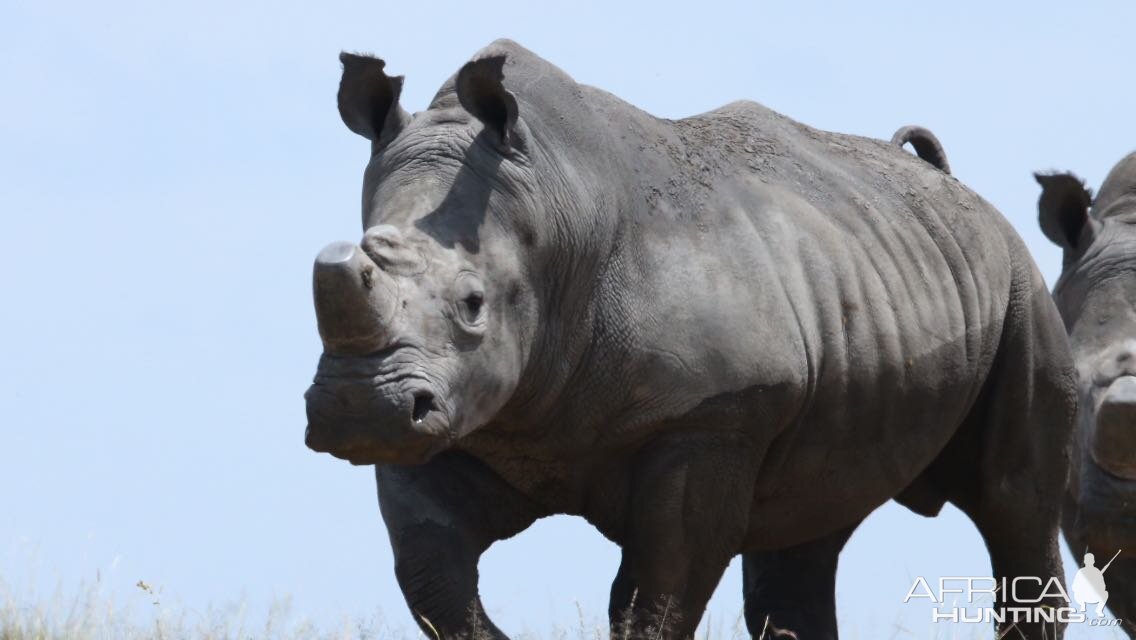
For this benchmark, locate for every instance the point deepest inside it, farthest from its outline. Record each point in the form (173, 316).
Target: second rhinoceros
(1096, 295)
(725, 334)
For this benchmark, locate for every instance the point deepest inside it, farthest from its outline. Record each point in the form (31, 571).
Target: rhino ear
(481, 92)
(368, 100)
(1063, 210)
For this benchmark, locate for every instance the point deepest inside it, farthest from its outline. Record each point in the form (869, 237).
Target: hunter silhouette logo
(1088, 584)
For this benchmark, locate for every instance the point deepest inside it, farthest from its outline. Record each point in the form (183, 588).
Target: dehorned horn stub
(354, 299)
(1114, 438)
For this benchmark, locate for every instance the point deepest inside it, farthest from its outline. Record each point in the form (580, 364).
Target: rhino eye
(473, 303)
(469, 303)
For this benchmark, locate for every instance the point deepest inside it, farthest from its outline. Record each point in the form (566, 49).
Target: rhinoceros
(1096, 295)
(726, 334)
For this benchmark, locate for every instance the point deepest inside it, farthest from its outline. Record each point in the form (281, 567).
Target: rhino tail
(926, 145)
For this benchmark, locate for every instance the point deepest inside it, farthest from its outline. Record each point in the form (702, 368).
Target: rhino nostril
(423, 405)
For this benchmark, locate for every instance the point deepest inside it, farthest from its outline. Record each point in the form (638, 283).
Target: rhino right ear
(481, 91)
(1063, 211)
(368, 100)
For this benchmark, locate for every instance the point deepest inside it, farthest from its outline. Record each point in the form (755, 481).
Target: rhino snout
(1114, 438)
(355, 300)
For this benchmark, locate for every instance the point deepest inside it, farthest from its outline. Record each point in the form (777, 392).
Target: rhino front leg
(794, 589)
(441, 516)
(690, 501)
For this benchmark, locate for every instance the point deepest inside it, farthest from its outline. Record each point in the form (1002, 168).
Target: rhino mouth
(365, 456)
(361, 414)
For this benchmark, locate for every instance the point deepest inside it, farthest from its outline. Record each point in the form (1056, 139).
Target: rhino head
(429, 323)
(1096, 295)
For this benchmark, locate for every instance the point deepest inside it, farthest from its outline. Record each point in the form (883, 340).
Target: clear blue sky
(168, 171)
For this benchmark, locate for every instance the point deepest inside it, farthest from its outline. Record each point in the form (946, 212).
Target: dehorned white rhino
(730, 333)
(1096, 295)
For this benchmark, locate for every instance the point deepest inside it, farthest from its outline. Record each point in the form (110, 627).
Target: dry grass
(87, 613)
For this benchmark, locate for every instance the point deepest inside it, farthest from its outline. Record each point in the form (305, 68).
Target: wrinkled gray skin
(725, 334)
(1096, 295)
(795, 588)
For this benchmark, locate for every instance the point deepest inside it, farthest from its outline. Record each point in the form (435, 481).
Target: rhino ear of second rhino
(481, 91)
(1063, 210)
(368, 100)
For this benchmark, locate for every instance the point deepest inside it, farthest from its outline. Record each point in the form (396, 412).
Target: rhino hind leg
(1007, 465)
(794, 589)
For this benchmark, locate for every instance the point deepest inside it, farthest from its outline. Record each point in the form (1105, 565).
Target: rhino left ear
(481, 91)
(368, 100)
(1063, 211)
